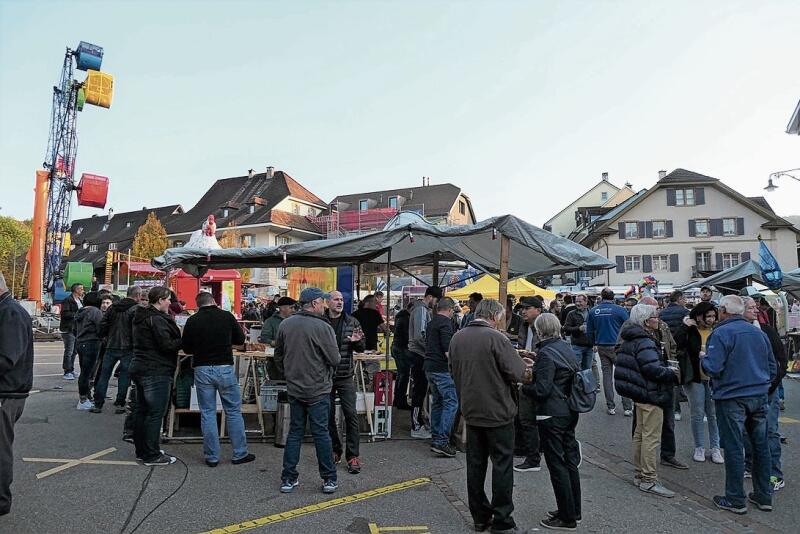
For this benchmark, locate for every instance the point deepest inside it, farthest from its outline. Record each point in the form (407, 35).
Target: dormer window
(363, 205)
(80, 230)
(127, 224)
(225, 212)
(105, 227)
(393, 202)
(252, 208)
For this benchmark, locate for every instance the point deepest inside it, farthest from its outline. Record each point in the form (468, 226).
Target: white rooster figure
(205, 238)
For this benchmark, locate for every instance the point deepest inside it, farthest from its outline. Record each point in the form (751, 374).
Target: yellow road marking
(787, 420)
(67, 463)
(305, 510)
(375, 529)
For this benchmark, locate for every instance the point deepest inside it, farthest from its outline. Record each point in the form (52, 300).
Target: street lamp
(772, 187)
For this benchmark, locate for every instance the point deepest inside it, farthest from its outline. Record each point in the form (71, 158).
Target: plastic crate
(269, 396)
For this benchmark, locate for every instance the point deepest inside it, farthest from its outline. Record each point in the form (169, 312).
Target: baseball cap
(313, 293)
(532, 302)
(286, 301)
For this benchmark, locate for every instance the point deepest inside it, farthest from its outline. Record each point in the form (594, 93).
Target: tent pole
(504, 246)
(417, 278)
(435, 269)
(358, 282)
(388, 334)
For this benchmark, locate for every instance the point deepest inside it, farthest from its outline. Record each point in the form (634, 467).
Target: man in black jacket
(117, 328)
(401, 359)
(156, 341)
(349, 338)
(209, 336)
(527, 432)
(443, 390)
(70, 306)
(16, 379)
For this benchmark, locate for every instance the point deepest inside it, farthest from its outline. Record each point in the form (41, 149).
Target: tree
(231, 238)
(15, 240)
(151, 238)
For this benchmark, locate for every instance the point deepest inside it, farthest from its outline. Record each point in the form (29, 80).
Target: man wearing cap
(527, 430)
(269, 331)
(444, 402)
(705, 295)
(417, 327)
(306, 353)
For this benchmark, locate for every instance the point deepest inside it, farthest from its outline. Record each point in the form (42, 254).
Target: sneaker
(677, 416)
(748, 473)
(337, 458)
(249, 457)
(628, 413)
(761, 506)
(554, 513)
(699, 454)
(69, 376)
(119, 410)
(209, 463)
(526, 467)
(777, 483)
(354, 465)
(612, 411)
(287, 486)
(724, 504)
(480, 527)
(85, 405)
(421, 433)
(162, 459)
(674, 463)
(716, 456)
(656, 489)
(97, 408)
(580, 453)
(446, 450)
(329, 486)
(556, 523)
(127, 438)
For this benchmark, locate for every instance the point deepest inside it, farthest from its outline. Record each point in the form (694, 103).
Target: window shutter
(670, 197)
(740, 226)
(673, 263)
(647, 263)
(648, 229)
(642, 229)
(718, 260)
(621, 230)
(699, 196)
(620, 264)
(745, 255)
(669, 228)
(716, 227)
(692, 229)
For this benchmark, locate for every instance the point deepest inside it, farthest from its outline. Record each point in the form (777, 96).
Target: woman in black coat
(641, 376)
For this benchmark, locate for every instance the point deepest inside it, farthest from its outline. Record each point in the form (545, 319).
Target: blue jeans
(738, 419)
(773, 438)
(110, 359)
(210, 380)
(152, 398)
(317, 413)
(584, 356)
(70, 350)
(444, 406)
(701, 405)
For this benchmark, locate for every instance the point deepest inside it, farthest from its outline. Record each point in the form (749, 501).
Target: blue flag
(770, 270)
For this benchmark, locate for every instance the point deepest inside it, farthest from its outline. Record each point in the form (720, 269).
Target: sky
(521, 104)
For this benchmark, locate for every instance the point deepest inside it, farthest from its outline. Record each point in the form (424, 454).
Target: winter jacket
(605, 322)
(306, 353)
(515, 325)
(640, 373)
(689, 343)
(117, 325)
(269, 330)
(437, 343)
(16, 349)
(522, 337)
(87, 324)
(673, 315)
(417, 324)
(156, 341)
(779, 351)
(209, 335)
(572, 328)
(400, 339)
(485, 369)
(565, 311)
(345, 329)
(552, 382)
(69, 308)
(739, 360)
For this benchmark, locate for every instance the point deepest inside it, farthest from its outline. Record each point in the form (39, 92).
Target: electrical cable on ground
(145, 483)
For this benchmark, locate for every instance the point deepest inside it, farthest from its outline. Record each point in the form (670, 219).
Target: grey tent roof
(532, 250)
(748, 269)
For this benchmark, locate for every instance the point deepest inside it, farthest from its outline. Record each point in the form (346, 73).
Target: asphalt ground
(402, 485)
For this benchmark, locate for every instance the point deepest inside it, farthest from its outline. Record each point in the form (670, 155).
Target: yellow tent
(490, 289)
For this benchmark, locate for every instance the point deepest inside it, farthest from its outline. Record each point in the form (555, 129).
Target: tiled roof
(682, 175)
(284, 218)
(436, 199)
(761, 201)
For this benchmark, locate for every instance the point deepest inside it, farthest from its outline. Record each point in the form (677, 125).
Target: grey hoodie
(307, 354)
(417, 325)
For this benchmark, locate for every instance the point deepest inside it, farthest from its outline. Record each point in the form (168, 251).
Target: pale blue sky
(522, 104)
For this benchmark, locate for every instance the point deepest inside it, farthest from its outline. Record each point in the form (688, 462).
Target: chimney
(250, 173)
(629, 185)
(605, 176)
(662, 174)
(270, 172)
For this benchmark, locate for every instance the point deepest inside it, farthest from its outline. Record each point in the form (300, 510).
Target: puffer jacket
(673, 315)
(690, 343)
(640, 374)
(156, 341)
(346, 348)
(117, 325)
(552, 378)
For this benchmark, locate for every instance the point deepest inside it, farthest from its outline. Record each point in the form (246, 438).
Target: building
(359, 212)
(599, 199)
(687, 226)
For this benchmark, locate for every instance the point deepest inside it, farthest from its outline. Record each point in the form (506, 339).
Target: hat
(310, 294)
(706, 287)
(286, 301)
(532, 302)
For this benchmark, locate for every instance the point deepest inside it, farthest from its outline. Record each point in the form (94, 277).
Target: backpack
(583, 392)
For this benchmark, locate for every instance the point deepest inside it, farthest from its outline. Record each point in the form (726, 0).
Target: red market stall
(224, 284)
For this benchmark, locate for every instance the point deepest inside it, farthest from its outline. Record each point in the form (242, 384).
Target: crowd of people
(517, 374)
